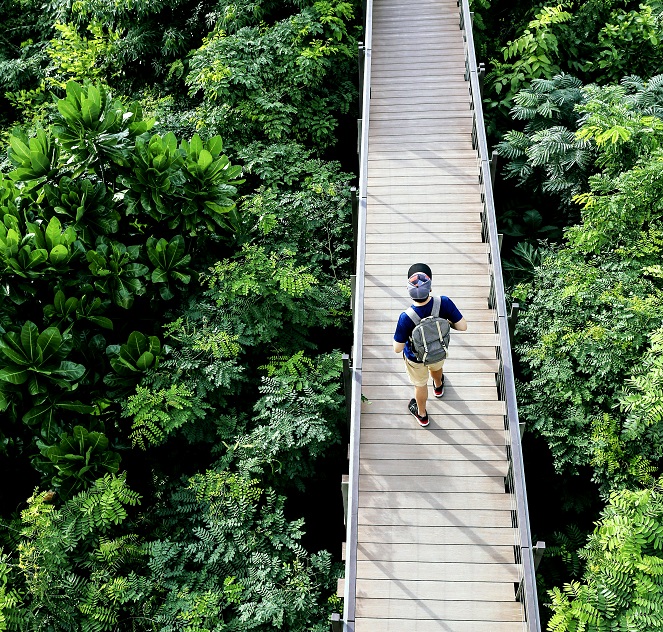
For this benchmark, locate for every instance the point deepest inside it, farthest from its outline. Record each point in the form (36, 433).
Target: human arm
(403, 330)
(459, 325)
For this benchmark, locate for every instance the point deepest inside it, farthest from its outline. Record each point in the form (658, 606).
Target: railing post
(539, 550)
(481, 73)
(361, 52)
(345, 489)
(513, 318)
(336, 625)
(493, 166)
(355, 223)
(347, 386)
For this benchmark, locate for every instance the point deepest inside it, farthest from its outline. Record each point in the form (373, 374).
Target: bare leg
(421, 395)
(437, 378)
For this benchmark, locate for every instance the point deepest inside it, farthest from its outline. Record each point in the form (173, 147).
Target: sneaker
(412, 407)
(439, 390)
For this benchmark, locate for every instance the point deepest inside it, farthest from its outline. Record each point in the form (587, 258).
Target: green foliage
(622, 586)
(283, 80)
(228, 556)
(186, 187)
(78, 460)
(585, 328)
(170, 263)
(68, 572)
(158, 414)
(533, 55)
(295, 420)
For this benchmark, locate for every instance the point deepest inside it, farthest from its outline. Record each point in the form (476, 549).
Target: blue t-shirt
(405, 325)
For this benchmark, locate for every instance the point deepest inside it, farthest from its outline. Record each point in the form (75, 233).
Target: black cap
(419, 267)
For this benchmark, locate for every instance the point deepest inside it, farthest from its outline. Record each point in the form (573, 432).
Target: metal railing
(350, 585)
(526, 591)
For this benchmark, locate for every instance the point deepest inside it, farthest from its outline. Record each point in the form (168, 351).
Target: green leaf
(20, 149)
(53, 232)
(49, 341)
(204, 159)
(58, 255)
(159, 276)
(70, 371)
(145, 361)
(29, 340)
(215, 145)
(196, 145)
(14, 375)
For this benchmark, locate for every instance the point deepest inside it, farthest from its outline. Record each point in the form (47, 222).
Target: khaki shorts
(418, 373)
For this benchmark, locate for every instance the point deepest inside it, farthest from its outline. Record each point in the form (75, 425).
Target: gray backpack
(430, 338)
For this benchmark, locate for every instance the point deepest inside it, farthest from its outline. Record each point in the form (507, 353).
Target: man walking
(419, 287)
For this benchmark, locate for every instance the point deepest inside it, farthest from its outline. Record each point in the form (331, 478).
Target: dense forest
(574, 96)
(175, 256)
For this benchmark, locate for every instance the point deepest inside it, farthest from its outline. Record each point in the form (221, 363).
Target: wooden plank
(472, 263)
(438, 610)
(461, 518)
(431, 51)
(399, 420)
(462, 469)
(410, 227)
(377, 263)
(436, 500)
(457, 352)
(395, 167)
(434, 590)
(389, 452)
(427, 571)
(427, 95)
(424, 153)
(427, 238)
(395, 363)
(411, 434)
(387, 377)
(450, 484)
(434, 222)
(427, 246)
(434, 553)
(450, 129)
(448, 216)
(435, 407)
(437, 535)
(387, 172)
(417, 145)
(452, 393)
(416, 625)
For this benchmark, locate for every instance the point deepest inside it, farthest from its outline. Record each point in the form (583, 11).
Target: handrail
(527, 589)
(350, 589)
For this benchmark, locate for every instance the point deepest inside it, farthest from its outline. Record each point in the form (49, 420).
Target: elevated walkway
(438, 532)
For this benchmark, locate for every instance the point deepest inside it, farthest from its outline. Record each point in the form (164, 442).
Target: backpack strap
(437, 305)
(413, 316)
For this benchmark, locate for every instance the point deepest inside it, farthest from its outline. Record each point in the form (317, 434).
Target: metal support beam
(481, 74)
(539, 550)
(493, 166)
(347, 386)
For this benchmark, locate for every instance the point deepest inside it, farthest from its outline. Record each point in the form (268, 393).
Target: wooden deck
(435, 538)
